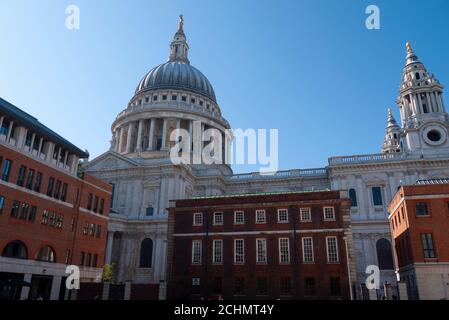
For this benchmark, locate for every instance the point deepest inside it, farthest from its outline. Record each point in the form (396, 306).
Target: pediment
(110, 160)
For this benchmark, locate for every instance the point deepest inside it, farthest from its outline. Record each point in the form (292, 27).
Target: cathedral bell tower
(425, 123)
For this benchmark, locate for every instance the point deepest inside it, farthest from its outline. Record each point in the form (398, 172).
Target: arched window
(146, 253)
(353, 197)
(46, 253)
(384, 254)
(15, 249)
(417, 76)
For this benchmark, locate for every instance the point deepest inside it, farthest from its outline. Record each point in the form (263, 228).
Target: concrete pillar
(109, 244)
(21, 137)
(139, 136)
(120, 143)
(33, 137)
(128, 140)
(127, 293)
(164, 134)
(151, 134)
(55, 287)
(41, 143)
(49, 149)
(26, 290)
(105, 293)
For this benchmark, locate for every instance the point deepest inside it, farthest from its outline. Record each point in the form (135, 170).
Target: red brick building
(419, 222)
(49, 216)
(267, 246)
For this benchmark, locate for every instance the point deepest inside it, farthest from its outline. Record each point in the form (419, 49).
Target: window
(196, 251)
(24, 211)
(51, 182)
(192, 100)
(37, 183)
(218, 218)
(428, 247)
(239, 285)
(217, 255)
(377, 196)
(91, 229)
(94, 260)
(260, 216)
(384, 254)
(29, 183)
(96, 204)
(164, 97)
(329, 214)
(21, 176)
(286, 285)
(57, 189)
(155, 98)
(307, 250)
(46, 253)
(45, 217)
(67, 256)
(15, 249)
(89, 201)
(421, 209)
(239, 251)
(184, 98)
(332, 252)
(32, 215)
(174, 97)
(282, 215)
(309, 286)
(6, 170)
(335, 286)
(101, 210)
(305, 215)
(198, 219)
(353, 197)
(82, 257)
(284, 250)
(146, 253)
(64, 192)
(2, 203)
(262, 285)
(196, 285)
(98, 231)
(15, 209)
(261, 247)
(239, 217)
(88, 259)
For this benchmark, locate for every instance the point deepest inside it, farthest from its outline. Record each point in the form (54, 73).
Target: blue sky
(309, 68)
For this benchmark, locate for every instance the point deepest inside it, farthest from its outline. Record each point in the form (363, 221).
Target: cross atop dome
(179, 47)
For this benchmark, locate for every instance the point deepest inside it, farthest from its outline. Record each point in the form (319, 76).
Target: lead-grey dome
(177, 75)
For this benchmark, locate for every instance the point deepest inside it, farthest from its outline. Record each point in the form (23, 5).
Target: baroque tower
(424, 119)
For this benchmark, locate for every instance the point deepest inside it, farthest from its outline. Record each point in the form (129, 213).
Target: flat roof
(33, 123)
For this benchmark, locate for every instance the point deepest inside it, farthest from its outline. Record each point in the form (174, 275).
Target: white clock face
(434, 135)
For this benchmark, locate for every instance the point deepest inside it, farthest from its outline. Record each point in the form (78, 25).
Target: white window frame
(200, 247)
(197, 214)
(333, 212)
(240, 255)
(336, 249)
(279, 215)
(215, 218)
(304, 260)
(264, 216)
(280, 251)
(235, 217)
(264, 248)
(301, 210)
(214, 261)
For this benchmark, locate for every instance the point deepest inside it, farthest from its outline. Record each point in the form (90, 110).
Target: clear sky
(309, 68)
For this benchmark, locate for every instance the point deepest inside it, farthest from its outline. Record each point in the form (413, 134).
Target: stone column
(164, 135)
(55, 287)
(41, 143)
(33, 137)
(139, 136)
(190, 134)
(151, 133)
(120, 143)
(109, 245)
(429, 102)
(443, 107)
(128, 140)
(26, 290)
(420, 103)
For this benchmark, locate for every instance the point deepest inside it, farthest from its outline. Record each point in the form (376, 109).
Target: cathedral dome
(179, 75)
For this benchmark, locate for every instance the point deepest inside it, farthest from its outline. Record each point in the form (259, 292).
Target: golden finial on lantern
(180, 23)
(409, 47)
